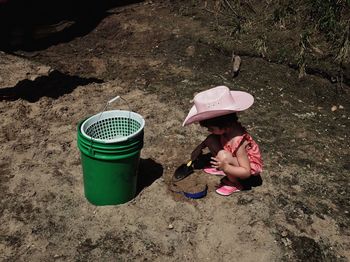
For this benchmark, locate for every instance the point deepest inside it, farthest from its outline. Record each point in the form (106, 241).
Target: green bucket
(110, 144)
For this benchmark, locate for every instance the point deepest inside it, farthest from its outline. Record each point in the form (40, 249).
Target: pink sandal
(213, 171)
(227, 188)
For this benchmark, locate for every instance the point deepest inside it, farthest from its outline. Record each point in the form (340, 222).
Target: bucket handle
(114, 99)
(104, 109)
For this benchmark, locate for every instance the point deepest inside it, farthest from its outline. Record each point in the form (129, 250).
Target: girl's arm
(197, 151)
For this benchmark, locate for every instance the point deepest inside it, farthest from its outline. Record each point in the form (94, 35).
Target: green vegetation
(301, 58)
(306, 33)
(260, 45)
(330, 16)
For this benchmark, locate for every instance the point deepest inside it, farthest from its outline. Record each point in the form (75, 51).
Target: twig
(215, 13)
(249, 4)
(229, 5)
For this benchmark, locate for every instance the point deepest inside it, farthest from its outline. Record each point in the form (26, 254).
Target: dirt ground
(157, 56)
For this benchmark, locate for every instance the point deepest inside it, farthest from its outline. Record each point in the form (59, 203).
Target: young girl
(234, 153)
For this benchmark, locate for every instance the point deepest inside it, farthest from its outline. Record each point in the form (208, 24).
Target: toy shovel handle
(189, 163)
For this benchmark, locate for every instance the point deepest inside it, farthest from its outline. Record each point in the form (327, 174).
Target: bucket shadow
(149, 171)
(54, 85)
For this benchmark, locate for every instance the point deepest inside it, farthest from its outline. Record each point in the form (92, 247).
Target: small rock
(284, 233)
(43, 70)
(334, 108)
(170, 226)
(341, 107)
(236, 64)
(286, 241)
(333, 79)
(190, 50)
(297, 188)
(32, 77)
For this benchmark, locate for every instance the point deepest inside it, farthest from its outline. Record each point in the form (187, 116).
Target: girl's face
(216, 130)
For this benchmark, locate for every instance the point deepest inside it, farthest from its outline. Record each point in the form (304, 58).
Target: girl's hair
(220, 121)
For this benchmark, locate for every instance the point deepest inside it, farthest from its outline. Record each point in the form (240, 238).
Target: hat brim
(243, 102)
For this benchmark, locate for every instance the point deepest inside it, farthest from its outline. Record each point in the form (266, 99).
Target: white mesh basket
(113, 126)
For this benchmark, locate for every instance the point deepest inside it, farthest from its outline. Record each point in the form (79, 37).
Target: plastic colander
(113, 126)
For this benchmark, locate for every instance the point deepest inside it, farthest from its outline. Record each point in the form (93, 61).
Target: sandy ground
(300, 213)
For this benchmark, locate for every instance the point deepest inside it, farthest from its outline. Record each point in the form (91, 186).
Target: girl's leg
(229, 184)
(227, 157)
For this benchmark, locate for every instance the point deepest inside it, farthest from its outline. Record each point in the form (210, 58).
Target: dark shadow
(54, 85)
(149, 171)
(20, 20)
(202, 161)
(252, 181)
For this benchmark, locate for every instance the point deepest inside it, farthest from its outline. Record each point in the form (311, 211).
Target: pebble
(32, 77)
(190, 50)
(286, 241)
(170, 226)
(43, 70)
(236, 63)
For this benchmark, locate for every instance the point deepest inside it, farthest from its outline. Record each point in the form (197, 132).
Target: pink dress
(252, 149)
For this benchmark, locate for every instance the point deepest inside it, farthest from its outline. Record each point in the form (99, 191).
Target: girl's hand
(216, 163)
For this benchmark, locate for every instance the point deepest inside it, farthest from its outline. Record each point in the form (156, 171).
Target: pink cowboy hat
(217, 101)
